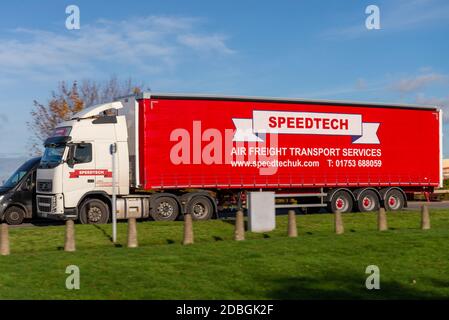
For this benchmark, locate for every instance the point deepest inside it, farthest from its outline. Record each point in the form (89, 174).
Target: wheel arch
(358, 192)
(156, 196)
(19, 205)
(332, 193)
(383, 193)
(99, 195)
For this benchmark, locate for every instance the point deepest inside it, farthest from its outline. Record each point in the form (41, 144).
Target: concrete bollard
(425, 218)
(339, 228)
(292, 230)
(69, 245)
(188, 229)
(4, 240)
(239, 233)
(132, 233)
(382, 220)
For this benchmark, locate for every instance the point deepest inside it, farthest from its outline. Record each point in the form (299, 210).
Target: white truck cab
(74, 179)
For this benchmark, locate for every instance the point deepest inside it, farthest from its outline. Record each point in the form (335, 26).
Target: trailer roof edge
(190, 96)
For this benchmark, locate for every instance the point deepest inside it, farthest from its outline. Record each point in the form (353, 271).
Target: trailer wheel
(341, 201)
(165, 209)
(201, 208)
(394, 200)
(94, 211)
(368, 201)
(14, 216)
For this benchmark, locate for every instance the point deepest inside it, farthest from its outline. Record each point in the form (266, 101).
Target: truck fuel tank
(133, 207)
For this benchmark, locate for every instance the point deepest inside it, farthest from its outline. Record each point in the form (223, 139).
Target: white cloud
(152, 45)
(443, 103)
(416, 13)
(418, 82)
(361, 84)
(394, 16)
(205, 43)
(3, 118)
(346, 32)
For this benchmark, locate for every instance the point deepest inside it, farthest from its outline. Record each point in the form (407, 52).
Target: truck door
(79, 173)
(104, 165)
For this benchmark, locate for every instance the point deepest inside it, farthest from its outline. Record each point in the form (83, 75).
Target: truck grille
(46, 204)
(44, 186)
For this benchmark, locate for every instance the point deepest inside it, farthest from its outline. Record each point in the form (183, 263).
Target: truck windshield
(52, 155)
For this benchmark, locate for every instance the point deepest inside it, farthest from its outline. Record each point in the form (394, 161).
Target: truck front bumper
(69, 214)
(51, 206)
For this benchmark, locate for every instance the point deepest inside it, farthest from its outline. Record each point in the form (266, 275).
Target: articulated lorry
(200, 154)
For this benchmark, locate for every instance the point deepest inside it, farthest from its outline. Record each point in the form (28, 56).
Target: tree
(70, 99)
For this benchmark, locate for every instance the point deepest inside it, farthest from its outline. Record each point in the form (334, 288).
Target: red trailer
(199, 154)
(356, 152)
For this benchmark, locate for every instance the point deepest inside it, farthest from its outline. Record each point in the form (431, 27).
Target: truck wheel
(165, 209)
(341, 201)
(94, 211)
(368, 201)
(201, 208)
(394, 200)
(14, 216)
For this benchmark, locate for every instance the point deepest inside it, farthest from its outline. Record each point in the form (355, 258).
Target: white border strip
(136, 138)
(441, 147)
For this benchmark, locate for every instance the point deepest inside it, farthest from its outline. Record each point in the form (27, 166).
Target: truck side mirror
(70, 162)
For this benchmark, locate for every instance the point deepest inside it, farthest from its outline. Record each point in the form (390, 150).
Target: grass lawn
(413, 264)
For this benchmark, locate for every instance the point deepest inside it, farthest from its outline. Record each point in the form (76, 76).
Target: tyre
(201, 208)
(368, 201)
(341, 201)
(394, 200)
(94, 211)
(165, 209)
(14, 216)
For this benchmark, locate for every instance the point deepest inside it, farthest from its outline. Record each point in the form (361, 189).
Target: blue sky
(305, 49)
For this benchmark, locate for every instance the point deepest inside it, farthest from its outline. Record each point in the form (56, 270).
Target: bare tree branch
(69, 99)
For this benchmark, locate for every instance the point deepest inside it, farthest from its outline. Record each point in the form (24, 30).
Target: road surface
(412, 205)
(416, 205)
